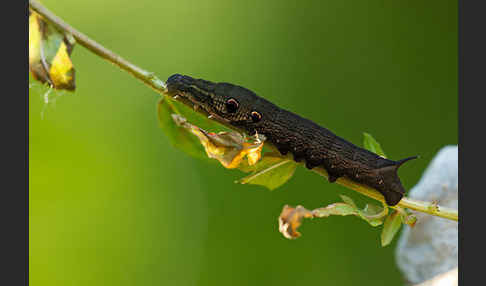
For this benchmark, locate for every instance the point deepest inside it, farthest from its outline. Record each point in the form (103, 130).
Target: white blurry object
(431, 248)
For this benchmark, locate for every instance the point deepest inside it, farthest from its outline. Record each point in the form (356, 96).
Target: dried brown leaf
(290, 219)
(229, 148)
(49, 54)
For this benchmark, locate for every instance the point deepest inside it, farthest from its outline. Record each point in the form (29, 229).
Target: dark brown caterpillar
(289, 132)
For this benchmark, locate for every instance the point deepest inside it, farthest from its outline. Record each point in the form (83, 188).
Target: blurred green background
(112, 203)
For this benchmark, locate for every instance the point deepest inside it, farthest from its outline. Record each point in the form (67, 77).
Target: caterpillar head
(234, 104)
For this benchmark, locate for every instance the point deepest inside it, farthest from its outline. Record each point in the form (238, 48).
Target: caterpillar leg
(332, 177)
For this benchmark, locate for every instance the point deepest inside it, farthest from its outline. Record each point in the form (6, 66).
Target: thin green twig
(420, 206)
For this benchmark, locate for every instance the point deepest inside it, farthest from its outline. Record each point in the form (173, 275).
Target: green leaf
(372, 210)
(342, 209)
(371, 213)
(271, 171)
(372, 145)
(392, 224)
(178, 136)
(349, 201)
(374, 214)
(374, 222)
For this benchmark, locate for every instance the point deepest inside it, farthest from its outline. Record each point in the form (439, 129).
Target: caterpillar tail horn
(393, 190)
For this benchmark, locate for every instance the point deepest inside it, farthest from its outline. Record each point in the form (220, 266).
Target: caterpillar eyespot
(232, 105)
(255, 116)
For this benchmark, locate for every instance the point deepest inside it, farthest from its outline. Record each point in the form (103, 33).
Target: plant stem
(421, 206)
(159, 86)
